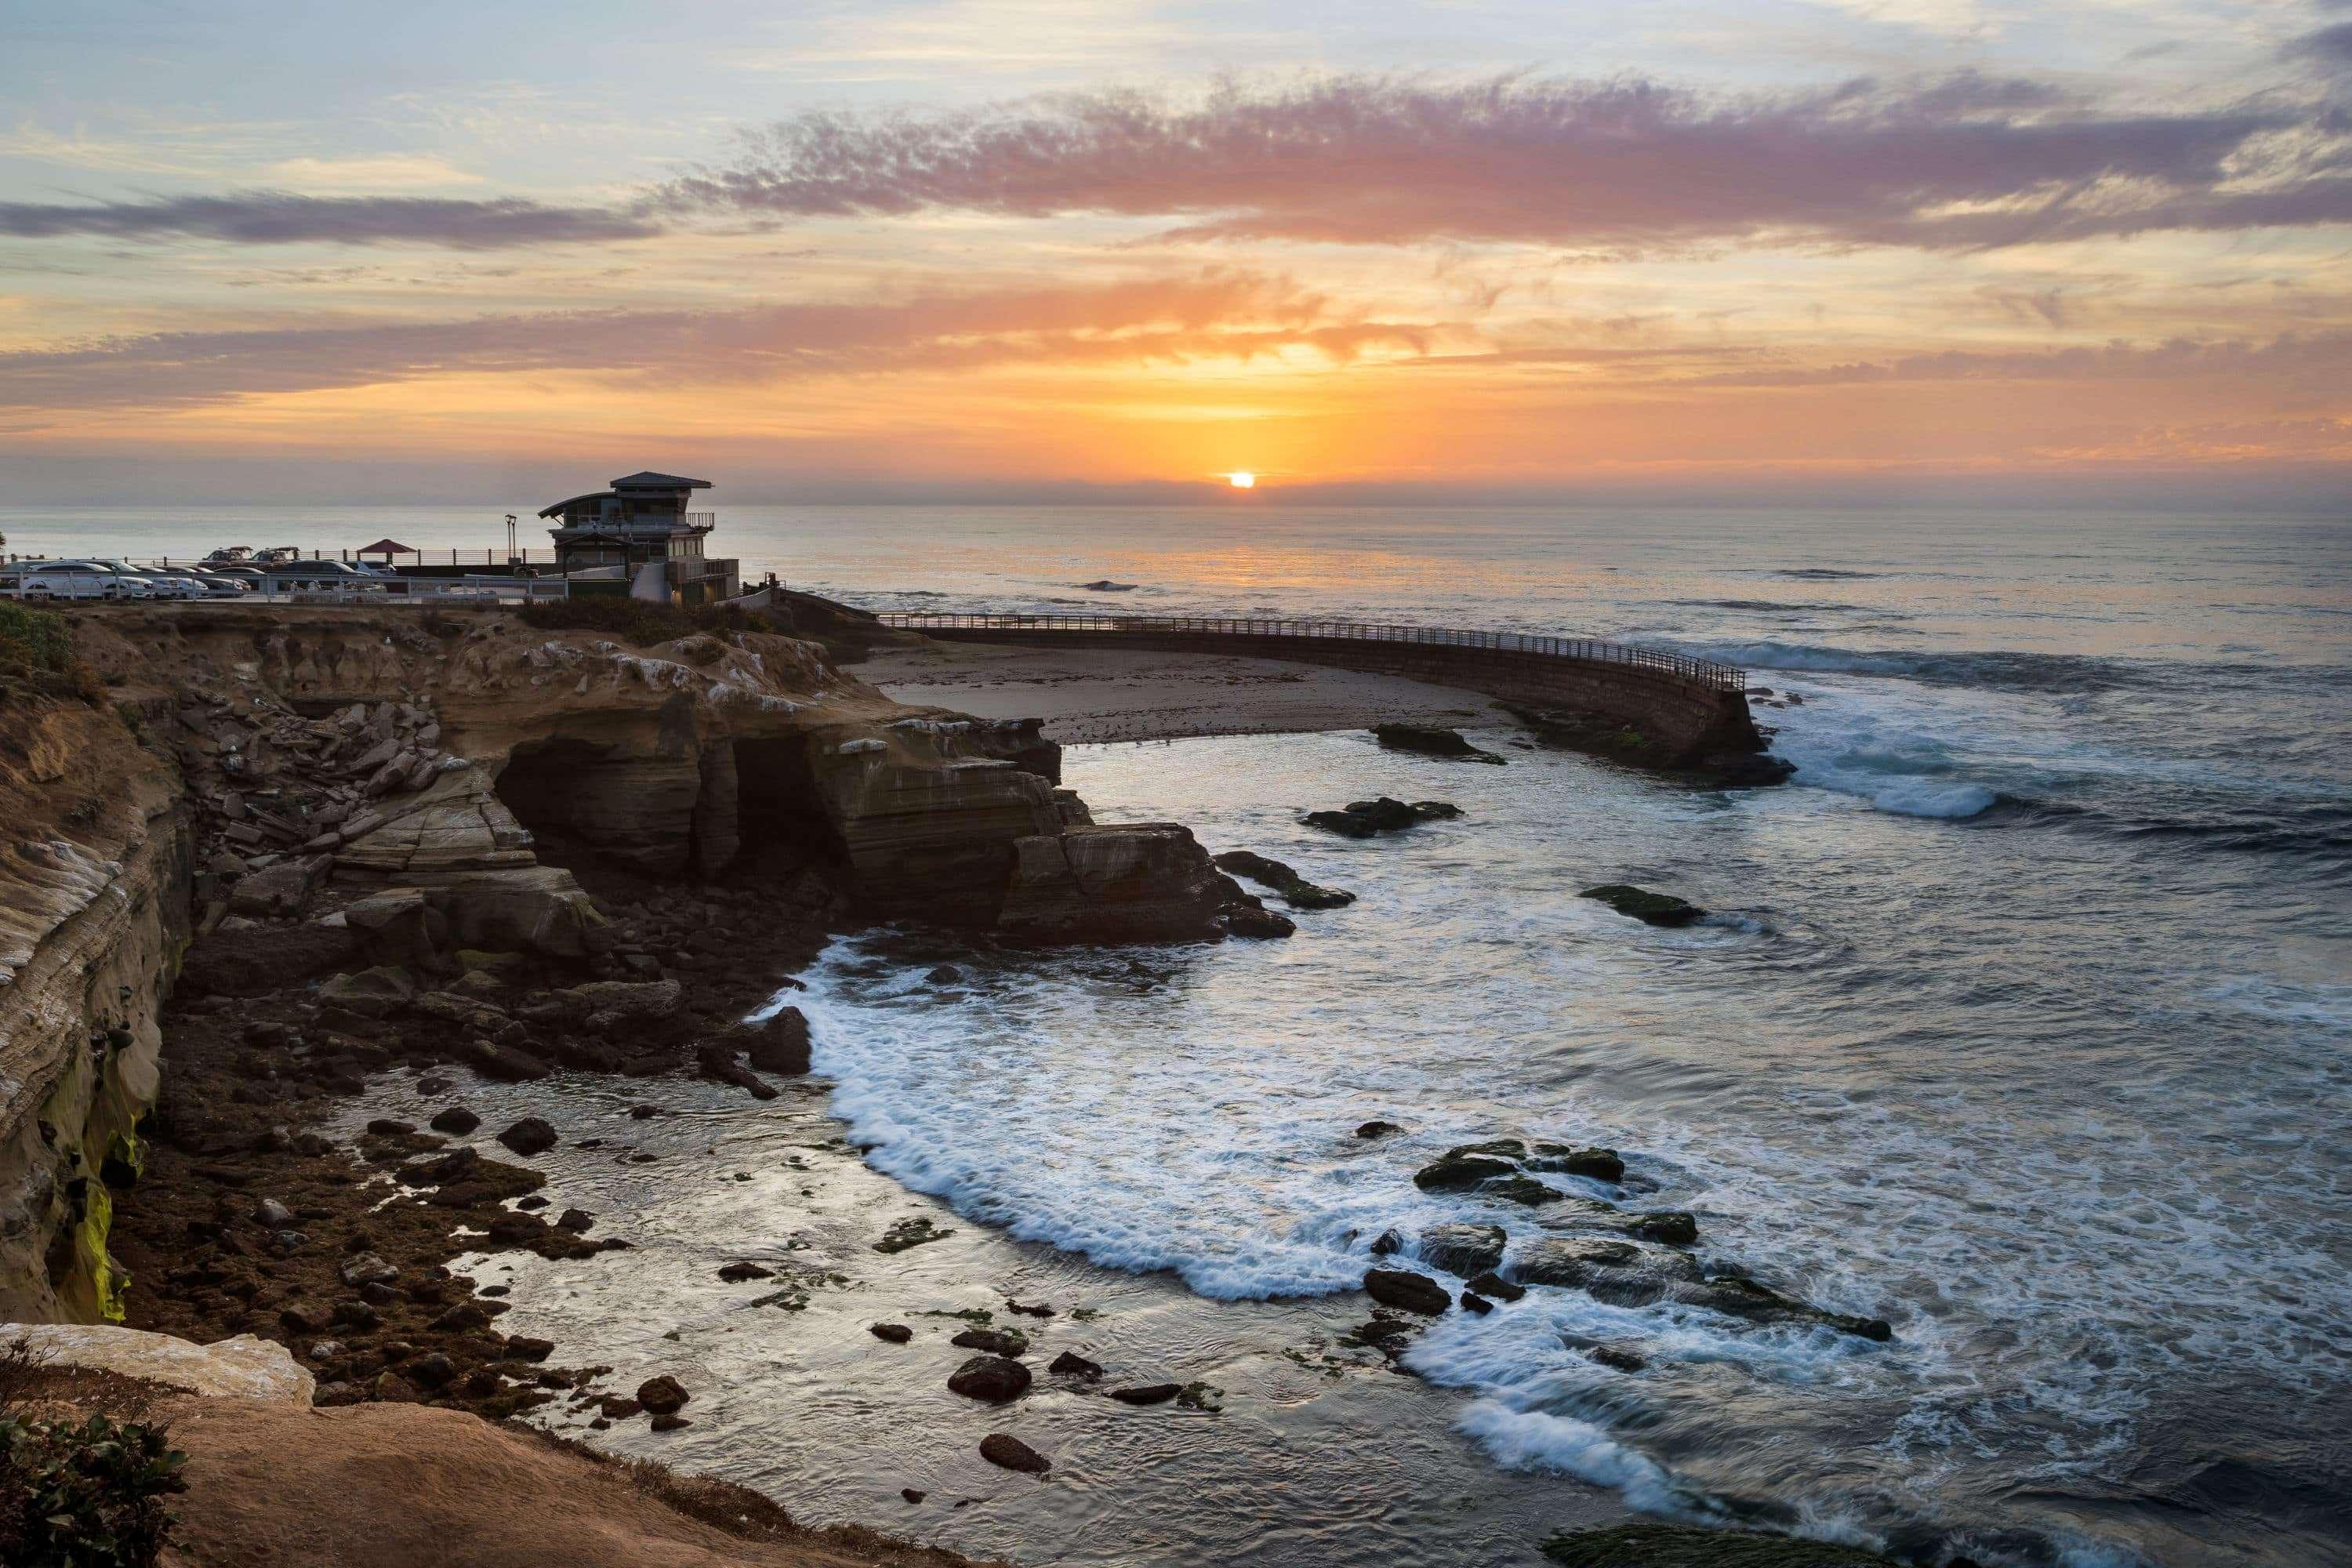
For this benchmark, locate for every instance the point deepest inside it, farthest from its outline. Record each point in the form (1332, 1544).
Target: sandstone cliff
(284, 793)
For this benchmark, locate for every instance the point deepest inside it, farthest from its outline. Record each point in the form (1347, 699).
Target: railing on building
(1585, 651)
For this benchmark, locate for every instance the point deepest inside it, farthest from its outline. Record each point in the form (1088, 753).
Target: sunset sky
(2080, 251)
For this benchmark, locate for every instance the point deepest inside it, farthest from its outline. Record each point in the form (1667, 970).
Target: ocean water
(2023, 1019)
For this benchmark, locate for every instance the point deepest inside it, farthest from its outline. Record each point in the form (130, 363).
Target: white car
(165, 583)
(74, 580)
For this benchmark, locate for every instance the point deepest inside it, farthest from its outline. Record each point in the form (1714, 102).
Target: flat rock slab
(243, 1367)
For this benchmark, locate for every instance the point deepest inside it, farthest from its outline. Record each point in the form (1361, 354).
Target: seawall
(1684, 712)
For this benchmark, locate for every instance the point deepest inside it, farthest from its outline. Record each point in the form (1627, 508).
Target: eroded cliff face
(286, 793)
(368, 749)
(94, 884)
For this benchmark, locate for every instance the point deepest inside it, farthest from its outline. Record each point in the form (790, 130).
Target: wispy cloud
(2317, 359)
(282, 218)
(1956, 163)
(1215, 314)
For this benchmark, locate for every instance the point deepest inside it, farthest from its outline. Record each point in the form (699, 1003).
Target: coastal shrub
(36, 653)
(78, 1490)
(34, 641)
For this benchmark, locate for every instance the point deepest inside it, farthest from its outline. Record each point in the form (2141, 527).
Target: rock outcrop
(94, 889)
(402, 808)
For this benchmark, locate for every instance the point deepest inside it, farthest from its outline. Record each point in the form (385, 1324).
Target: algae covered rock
(1428, 740)
(1296, 891)
(1649, 908)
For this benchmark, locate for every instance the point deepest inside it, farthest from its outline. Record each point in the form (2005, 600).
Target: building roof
(570, 502)
(649, 481)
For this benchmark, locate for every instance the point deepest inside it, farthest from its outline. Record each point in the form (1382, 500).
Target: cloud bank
(283, 217)
(1213, 314)
(1628, 165)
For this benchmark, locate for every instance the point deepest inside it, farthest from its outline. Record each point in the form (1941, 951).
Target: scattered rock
(1600, 1164)
(908, 1232)
(994, 1342)
(663, 1395)
(1009, 1452)
(911, 1495)
(892, 1333)
(1367, 818)
(667, 1423)
(386, 1127)
(716, 1061)
(1474, 1303)
(522, 1347)
(1494, 1287)
(1429, 742)
(530, 1136)
(992, 1378)
(1461, 1170)
(456, 1121)
(1651, 909)
(431, 1369)
(779, 1045)
(1377, 1128)
(1147, 1393)
(1412, 1292)
(366, 1267)
(1463, 1249)
(735, 1273)
(1296, 891)
(1069, 1364)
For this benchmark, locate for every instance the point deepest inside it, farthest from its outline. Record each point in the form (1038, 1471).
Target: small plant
(78, 1493)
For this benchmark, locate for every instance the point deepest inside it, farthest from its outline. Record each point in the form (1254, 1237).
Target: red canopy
(386, 547)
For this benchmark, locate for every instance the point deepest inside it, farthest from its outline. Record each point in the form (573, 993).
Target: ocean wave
(1823, 573)
(1798, 606)
(1994, 669)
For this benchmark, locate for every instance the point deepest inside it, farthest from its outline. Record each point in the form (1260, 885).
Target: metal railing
(1582, 650)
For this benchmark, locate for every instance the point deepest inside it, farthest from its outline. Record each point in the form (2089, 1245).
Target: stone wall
(1686, 723)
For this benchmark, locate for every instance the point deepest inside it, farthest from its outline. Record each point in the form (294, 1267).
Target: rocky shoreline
(489, 857)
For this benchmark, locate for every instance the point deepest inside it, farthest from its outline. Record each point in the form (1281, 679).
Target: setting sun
(1242, 481)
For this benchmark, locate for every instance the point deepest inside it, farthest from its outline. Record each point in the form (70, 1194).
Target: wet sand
(1110, 694)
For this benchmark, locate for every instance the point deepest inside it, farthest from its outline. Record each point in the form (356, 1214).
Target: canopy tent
(387, 548)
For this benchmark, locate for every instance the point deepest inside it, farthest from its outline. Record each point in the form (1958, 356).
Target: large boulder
(994, 1379)
(396, 926)
(1139, 881)
(1463, 1250)
(523, 909)
(244, 1367)
(777, 1044)
(1403, 1289)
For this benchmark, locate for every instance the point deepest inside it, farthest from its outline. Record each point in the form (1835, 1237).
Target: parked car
(221, 585)
(75, 580)
(162, 584)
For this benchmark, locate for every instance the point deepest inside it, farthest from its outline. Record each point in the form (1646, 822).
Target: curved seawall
(1687, 712)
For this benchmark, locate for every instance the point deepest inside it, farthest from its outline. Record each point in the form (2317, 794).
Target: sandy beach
(1090, 694)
